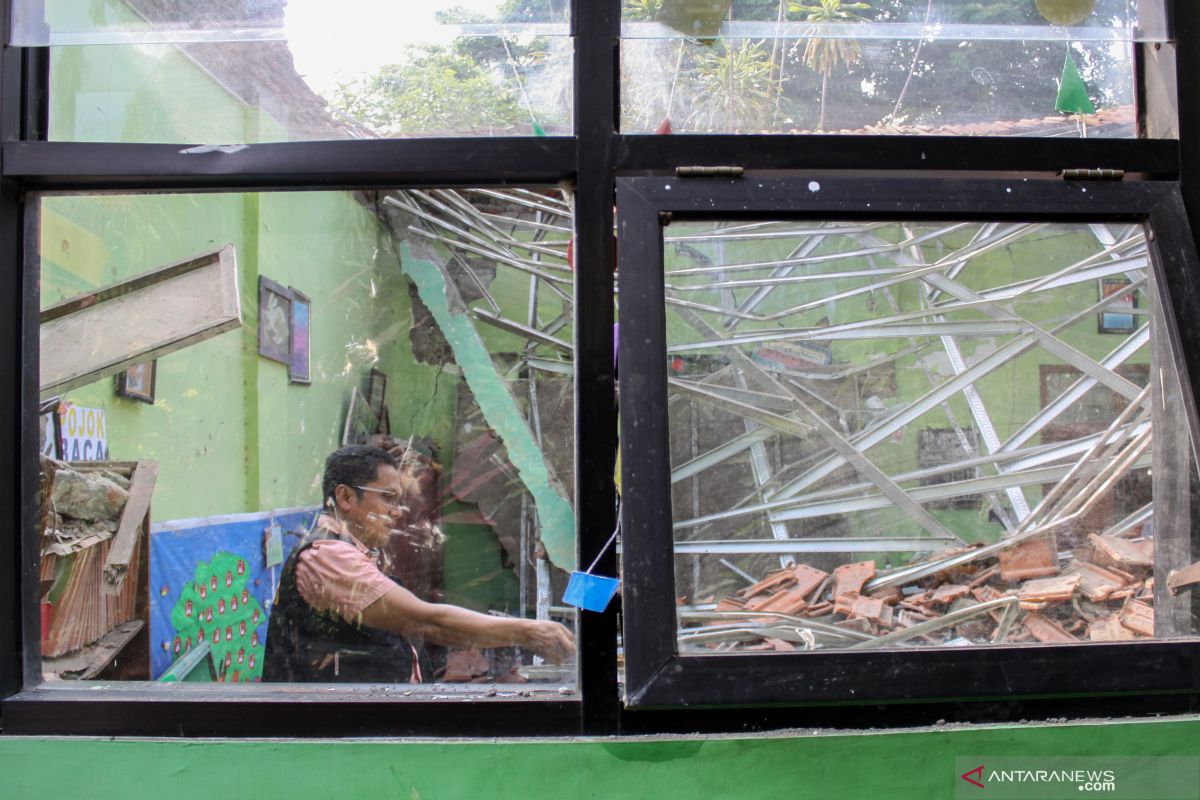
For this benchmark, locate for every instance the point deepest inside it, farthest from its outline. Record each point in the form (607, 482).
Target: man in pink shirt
(338, 617)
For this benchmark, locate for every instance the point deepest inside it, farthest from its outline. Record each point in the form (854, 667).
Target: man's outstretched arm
(402, 612)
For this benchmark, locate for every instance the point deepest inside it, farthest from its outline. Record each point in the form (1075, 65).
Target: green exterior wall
(833, 766)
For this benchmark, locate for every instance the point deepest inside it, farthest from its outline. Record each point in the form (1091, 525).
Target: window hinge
(1093, 174)
(709, 172)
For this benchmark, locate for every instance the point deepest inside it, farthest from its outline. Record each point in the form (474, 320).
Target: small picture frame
(1118, 316)
(137, 382)
(361, 422)
(300, 368)
(274, 321)
(377, 392)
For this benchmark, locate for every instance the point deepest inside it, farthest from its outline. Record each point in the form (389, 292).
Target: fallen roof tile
(1034, 558)
(1123, 552)
(1109, 629)
(1045, 630)
(1049, 590)
(1138, 617)
(1097, 583)
(852, 577)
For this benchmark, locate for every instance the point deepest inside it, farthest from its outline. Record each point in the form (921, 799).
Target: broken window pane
(202, 355)
(926, 67)
(905, 434)
(267, 71)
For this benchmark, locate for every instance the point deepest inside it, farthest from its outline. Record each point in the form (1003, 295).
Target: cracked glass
(895, 435)
(308, 437)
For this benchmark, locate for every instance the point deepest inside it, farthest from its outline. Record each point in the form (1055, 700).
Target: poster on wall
(83, 433)
(211, 584)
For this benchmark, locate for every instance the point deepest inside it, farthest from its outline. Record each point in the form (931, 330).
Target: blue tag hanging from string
(593, 592)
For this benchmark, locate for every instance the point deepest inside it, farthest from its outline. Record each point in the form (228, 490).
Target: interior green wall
(221, 410)
(856, 766)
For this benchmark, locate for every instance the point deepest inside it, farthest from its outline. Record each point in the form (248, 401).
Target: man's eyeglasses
(390, 497)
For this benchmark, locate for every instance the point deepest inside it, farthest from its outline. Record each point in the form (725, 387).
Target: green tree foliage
(854, 82)
(435, 89)
(823, 55)
(731, 86)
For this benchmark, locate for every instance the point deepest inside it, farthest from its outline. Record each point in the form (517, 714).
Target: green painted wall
(221, 410)
(837, 766)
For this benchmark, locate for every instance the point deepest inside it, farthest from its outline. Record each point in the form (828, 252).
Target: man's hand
(549, 640)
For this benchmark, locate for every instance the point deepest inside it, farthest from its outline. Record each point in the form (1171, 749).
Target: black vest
(306, 645)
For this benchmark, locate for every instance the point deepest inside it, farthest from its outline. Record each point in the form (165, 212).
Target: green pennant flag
(538, 130)
(1072, 92)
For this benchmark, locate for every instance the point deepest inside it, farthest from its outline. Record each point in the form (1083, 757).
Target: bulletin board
(210, 582)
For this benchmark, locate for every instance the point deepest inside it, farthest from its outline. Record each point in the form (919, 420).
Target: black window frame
(591, 160)
(656, 675)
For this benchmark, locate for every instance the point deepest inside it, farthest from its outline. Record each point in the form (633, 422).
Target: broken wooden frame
(92, 336)
(1082, 469)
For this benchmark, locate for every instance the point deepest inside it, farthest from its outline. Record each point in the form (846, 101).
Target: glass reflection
(203, 356)
(914, 434)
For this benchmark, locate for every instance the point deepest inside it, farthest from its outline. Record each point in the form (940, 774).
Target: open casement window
(888, 439)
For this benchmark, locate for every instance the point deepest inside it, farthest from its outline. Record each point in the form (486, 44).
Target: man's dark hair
(353, 466)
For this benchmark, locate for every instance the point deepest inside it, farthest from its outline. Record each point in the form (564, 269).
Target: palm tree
(823, 55)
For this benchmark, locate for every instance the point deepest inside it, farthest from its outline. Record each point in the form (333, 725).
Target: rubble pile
(1100, 592)
(85, 508)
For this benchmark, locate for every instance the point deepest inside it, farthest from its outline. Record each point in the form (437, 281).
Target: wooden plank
(88, 662)
(133, 519)
(98, 334)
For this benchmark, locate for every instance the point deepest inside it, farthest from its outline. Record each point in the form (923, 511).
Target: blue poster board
(209, 582)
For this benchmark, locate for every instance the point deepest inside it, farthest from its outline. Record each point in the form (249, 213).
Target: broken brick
(730, 604)
(1034, 558)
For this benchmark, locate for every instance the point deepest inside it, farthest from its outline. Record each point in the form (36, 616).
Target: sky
(335, 42)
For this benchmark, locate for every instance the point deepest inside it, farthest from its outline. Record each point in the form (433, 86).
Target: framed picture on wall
(137, 382)
(300, 368)
(274, 321)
